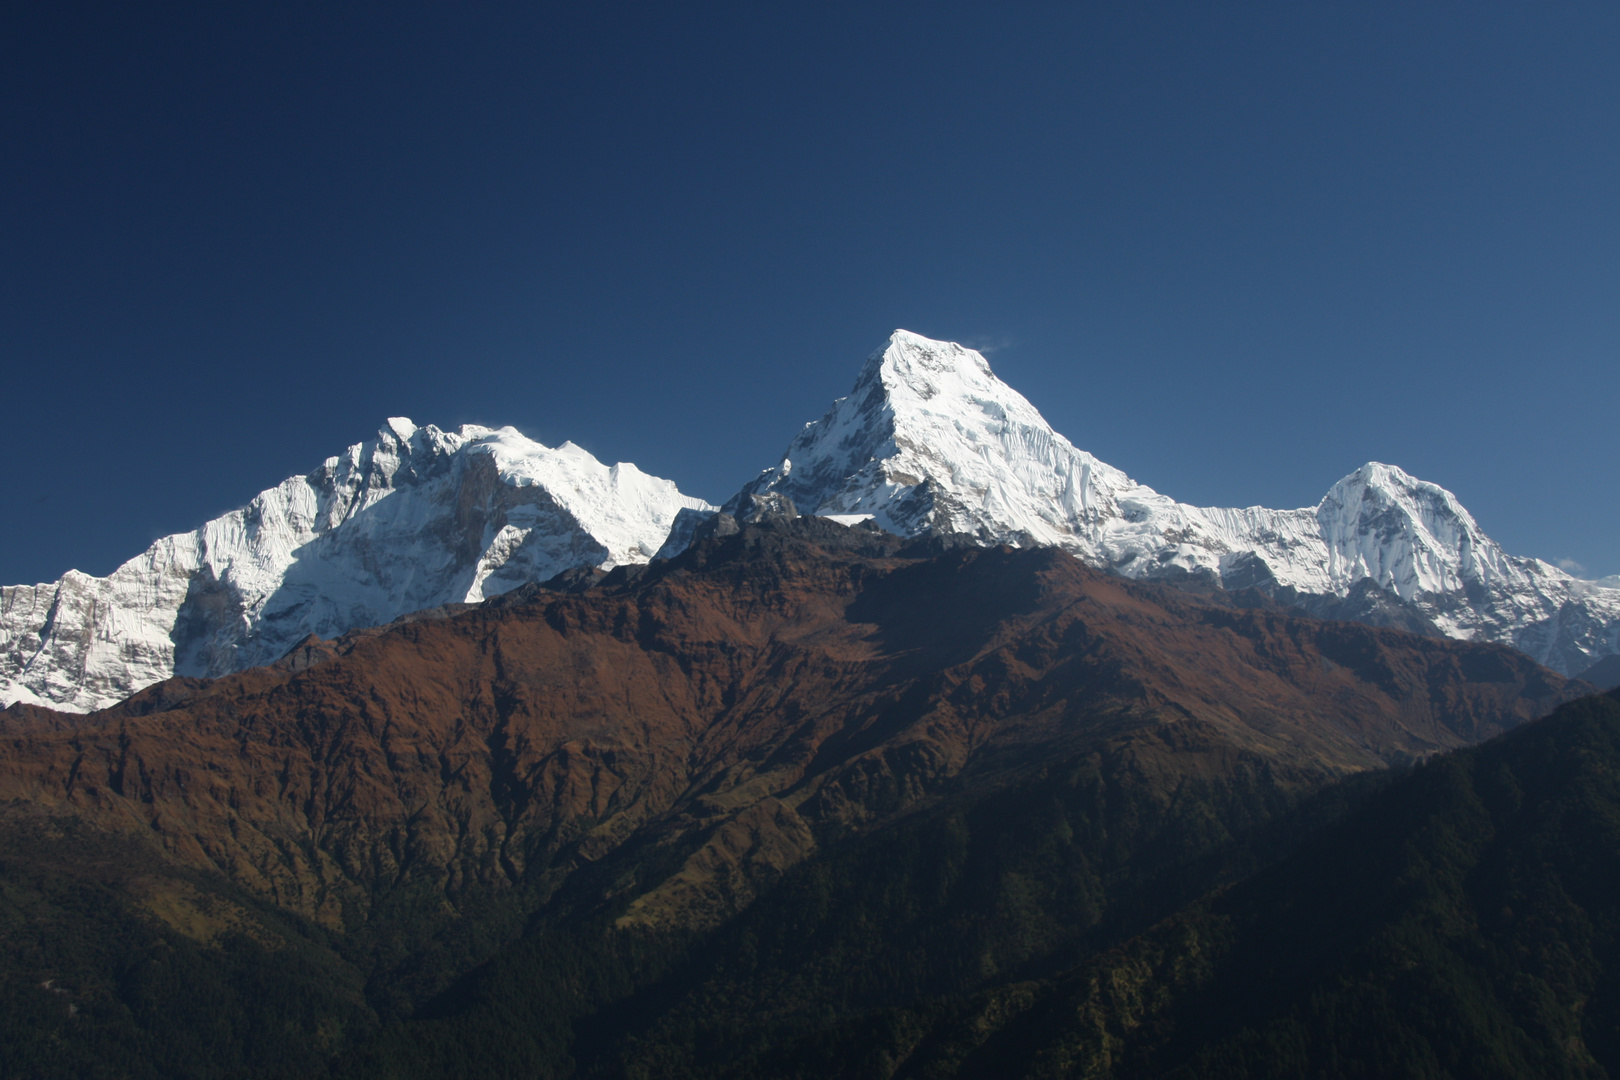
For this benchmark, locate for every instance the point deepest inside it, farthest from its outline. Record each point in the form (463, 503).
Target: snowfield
(412, 519)
(929, 441)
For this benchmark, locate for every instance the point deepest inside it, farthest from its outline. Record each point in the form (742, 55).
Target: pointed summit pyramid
(1379, 513)
(931, 442)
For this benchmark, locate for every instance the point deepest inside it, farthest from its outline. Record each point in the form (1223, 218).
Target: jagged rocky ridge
(922, 771)
(787, 680)
(412, 519)
(930, 441)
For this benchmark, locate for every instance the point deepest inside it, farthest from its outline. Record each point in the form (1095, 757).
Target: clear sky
(1234, 249)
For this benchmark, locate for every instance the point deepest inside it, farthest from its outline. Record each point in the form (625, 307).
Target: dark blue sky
(1235, 250)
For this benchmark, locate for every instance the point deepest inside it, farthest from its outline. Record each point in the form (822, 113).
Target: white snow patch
(413, 519)
(931, 441)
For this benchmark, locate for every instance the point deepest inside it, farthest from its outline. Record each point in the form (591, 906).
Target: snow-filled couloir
(930, 441)
(412, 519)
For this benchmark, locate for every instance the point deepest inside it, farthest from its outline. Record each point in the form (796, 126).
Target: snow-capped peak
(402, 428)
(414, 518)
(1410, 536)
(931, 441)
(928, 441)
(914, 368)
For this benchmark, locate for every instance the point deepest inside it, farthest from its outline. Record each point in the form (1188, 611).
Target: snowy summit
(930, 441)
(412, 519)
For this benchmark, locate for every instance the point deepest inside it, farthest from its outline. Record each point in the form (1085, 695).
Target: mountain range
(929, 443)
(804, 800)
(411, 519)
(940, 750)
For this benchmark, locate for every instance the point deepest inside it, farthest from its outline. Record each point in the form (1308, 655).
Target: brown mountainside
(727, 712)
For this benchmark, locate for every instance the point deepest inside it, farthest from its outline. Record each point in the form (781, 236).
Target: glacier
(412, 519)
(931, 442)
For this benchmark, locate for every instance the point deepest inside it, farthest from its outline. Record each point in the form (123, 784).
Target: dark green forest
(1458, 920)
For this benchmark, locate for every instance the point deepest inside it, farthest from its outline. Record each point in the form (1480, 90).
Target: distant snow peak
(926, 368)
(1411, 536)
(414, 518)
(929, 440)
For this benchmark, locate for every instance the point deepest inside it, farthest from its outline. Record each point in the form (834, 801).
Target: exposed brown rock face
(732, 709)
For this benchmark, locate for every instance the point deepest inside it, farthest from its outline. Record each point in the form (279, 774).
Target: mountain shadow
(798, 780)
(1463, 923)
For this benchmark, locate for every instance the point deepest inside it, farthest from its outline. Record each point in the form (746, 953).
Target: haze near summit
(1235, 253)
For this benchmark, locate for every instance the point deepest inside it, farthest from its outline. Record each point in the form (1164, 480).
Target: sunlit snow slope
(414, 518)
(930, 441)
